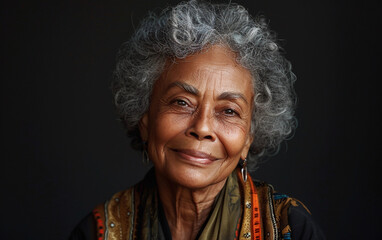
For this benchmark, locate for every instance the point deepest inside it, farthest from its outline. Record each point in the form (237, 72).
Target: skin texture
(197, 129)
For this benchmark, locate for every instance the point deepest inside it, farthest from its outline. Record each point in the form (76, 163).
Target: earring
(145, 155)
(244, 170)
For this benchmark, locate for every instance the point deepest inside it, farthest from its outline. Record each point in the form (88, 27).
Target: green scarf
(134, 214)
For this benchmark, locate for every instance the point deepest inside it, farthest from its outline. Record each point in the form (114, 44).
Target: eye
(180, 102)
(230, 112)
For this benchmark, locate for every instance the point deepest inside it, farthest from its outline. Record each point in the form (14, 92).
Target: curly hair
(189, 28)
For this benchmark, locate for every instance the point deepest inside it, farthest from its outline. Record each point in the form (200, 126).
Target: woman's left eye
(230, 112)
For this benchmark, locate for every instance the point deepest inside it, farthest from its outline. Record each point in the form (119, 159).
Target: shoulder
(116, 214)
(303, 225)
(295, 219)
(290, 216)
(93, 226)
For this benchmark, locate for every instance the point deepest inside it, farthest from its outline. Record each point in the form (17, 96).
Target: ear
(143, 127)
(247, 145)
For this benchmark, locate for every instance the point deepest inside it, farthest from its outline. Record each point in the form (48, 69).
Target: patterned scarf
(133, 213)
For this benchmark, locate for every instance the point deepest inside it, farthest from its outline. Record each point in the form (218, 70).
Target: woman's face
(198, 124)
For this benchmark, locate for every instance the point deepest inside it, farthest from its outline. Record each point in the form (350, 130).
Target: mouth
(195, 156)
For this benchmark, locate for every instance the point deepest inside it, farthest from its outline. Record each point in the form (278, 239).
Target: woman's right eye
(181, 102)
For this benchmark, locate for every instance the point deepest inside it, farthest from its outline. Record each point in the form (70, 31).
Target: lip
(195, 156)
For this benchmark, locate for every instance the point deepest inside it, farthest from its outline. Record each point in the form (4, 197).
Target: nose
(201, 127)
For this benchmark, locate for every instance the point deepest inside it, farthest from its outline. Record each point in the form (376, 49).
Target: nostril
(194, 134)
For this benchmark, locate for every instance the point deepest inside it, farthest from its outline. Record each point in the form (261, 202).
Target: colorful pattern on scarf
(243, 210)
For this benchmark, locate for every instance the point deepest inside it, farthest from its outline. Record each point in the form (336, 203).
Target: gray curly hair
(191, 27)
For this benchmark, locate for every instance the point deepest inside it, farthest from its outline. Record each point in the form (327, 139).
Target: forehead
(216, 69)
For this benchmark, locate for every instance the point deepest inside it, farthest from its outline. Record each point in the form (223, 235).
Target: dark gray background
(63, 150)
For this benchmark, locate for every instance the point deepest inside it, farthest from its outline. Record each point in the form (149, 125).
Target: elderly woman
(204, 92)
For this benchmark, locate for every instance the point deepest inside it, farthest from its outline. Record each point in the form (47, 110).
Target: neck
(186, 209)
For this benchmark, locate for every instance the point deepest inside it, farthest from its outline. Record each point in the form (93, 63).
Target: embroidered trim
(275, 231)
(100, 225)
(251, 222)
(256, 221)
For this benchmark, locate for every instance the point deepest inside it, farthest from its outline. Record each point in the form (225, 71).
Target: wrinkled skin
(197, 129)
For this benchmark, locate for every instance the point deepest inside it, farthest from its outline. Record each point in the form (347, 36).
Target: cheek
(166, 127)
(233, 139)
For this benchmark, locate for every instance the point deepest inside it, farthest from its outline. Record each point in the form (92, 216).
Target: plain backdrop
(64, 151)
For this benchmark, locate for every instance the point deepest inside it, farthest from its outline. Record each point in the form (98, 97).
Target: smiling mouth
(195, 156)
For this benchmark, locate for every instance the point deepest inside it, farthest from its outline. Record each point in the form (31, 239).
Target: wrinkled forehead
(213, 69)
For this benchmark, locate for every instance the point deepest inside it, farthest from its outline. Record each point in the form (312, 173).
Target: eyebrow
(187, 87)
(232, 96)
(194, 91)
